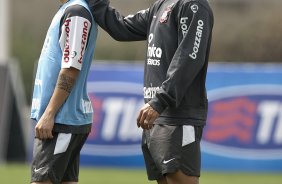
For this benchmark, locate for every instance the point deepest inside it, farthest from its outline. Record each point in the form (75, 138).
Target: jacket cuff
(157, 105)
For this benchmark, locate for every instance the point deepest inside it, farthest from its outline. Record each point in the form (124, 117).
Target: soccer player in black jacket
(178, 34)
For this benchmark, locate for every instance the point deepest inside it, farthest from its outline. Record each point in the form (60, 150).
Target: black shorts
(57, 159)
(167, 149)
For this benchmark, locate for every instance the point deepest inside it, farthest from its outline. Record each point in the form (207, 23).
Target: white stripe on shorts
(62, 143)
(188, 135)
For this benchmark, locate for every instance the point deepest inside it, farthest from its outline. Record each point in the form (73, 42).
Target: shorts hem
(169, 171)
(189, 173)
(164, 172)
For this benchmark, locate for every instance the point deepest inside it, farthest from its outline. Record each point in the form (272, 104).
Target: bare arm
(65, 82)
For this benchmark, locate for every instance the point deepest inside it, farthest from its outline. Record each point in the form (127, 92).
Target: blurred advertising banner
(244, 127)
(116, 92)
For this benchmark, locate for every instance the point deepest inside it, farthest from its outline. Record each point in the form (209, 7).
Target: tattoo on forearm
(65, 82)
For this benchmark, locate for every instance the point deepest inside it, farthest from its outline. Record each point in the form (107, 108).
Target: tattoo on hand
(65, 82)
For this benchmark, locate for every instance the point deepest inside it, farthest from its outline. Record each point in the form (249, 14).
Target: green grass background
(20, 174)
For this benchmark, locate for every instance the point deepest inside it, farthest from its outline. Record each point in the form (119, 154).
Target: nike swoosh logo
(167, 161)
(36, 170)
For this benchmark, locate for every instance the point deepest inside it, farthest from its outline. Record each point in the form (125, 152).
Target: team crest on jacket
(166, 14)
(194, 8)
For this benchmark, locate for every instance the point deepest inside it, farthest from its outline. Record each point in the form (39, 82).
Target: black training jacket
(178, 34)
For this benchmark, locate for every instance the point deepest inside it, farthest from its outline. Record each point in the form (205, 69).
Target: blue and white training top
(70, 42)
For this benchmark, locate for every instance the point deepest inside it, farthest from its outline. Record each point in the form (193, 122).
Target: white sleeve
(73, 41)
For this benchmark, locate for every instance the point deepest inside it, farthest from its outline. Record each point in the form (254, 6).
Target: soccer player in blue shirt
(60, 105)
